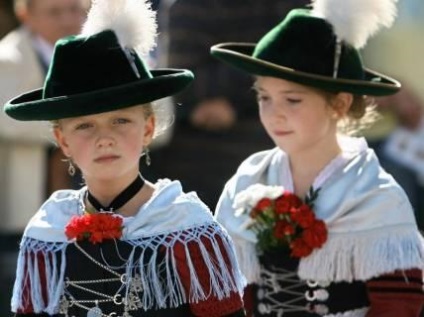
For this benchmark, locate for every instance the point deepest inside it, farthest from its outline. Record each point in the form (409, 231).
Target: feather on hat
(133, 21)
(355, 21)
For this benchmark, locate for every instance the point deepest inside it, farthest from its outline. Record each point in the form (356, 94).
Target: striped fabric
(399, 294)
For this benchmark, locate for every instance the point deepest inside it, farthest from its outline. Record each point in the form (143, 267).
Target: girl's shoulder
(169, 209)
(261, 155)
(66, 200)
(259, 161)
(49, 221)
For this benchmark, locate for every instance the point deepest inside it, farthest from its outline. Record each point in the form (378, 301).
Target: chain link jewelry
(97, 262)
(131, 301)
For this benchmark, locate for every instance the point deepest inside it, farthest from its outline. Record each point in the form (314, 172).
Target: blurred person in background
(7, 18)
(30, 164)
(217, 125)
(29, 161)
(397, 140)
(396, 137)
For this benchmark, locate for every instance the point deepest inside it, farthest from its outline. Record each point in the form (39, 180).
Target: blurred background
(31, 167)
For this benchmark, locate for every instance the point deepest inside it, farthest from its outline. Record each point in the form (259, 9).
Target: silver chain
(130, 302)
(105, 280)
(97, 262)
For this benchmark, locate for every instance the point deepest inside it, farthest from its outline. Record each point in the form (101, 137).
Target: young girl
(120, 246)
(365, 255)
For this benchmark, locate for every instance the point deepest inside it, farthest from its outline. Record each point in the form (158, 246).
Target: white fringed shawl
(169, 217)
(371, 224)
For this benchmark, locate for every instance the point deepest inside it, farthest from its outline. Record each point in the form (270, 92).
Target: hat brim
(32, 106)
(239, 55)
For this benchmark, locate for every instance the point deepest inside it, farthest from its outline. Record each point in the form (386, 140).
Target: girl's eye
(83, 126)
(121, 120)
(261, 98)
(293, 100)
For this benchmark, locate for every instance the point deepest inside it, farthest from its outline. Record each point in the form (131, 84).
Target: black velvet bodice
(114, 255)
(282, 293)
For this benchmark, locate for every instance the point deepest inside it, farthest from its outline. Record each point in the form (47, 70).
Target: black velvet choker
(119, 200)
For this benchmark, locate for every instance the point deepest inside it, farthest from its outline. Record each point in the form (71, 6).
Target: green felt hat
(302, 49)
(94, 74)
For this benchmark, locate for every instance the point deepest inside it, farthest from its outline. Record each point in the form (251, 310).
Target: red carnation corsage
(95, 227)
(281, 219)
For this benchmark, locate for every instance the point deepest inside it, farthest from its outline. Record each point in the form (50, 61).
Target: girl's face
(296, 117)
(106, 146)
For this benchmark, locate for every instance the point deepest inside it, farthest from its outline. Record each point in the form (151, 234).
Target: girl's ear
(342, 103)
(61, 141)
(149, 130)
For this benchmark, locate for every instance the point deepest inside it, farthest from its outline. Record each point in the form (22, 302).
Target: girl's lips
(282, 133)
(106, 158)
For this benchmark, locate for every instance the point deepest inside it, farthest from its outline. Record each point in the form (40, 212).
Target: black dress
(282, 293)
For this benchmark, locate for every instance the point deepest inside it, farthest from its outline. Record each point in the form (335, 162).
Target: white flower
(248, 198)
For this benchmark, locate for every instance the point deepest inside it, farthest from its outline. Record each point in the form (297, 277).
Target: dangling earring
(71, 168)
(147, 156)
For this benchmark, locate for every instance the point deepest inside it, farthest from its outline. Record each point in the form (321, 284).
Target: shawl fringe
(364, 255)
(158, 291)
(248, 259)
(28, 271)
(349, 257)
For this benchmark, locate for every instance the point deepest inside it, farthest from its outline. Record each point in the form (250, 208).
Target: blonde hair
(163, 116)
(360, 116)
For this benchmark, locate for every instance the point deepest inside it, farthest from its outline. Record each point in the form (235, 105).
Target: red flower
(304, 216)
(96, 227)
(287, 221)
(300, 248)
(286, 202)
(260, 207)
(282, 229)
(316, 234)
(294, 200)
(263, 204)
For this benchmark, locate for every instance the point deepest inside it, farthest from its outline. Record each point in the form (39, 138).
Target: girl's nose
(277, 110)
(105, 140)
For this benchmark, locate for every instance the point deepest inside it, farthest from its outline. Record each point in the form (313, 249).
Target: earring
(71, 168)
(147, 156)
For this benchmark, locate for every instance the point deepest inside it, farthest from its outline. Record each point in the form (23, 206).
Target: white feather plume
(133, 21)
(355, 21)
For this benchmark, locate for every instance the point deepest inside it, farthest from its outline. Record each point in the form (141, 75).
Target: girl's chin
(287, 148)
(105, 174)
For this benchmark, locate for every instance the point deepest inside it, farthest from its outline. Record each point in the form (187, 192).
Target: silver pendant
(95, 312)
